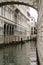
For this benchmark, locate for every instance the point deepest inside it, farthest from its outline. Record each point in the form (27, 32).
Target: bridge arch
(16, 3)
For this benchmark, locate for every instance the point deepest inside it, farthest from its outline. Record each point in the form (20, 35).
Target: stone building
(14, 22)
(40, 31)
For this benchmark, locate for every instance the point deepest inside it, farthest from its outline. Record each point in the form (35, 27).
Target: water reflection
(16, 54)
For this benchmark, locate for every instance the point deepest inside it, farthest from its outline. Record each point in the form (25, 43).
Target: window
(4, 29)
(12, 29)
(32, 28)
(7, 29)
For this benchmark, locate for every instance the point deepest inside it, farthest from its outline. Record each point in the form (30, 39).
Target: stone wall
(40, 32)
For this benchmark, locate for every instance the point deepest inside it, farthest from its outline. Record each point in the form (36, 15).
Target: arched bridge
(31, 3)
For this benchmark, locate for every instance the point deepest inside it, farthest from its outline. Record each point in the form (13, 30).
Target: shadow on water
(17, 54)
(38, 62)
(22, 45)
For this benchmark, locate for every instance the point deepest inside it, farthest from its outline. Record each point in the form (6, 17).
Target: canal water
(19, 54)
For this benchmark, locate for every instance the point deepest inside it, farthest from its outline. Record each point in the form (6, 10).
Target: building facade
(13, 25)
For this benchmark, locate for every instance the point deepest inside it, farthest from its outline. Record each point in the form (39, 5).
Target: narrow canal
(20, 54)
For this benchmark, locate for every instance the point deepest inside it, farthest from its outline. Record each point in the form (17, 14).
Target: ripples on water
(17, 54)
